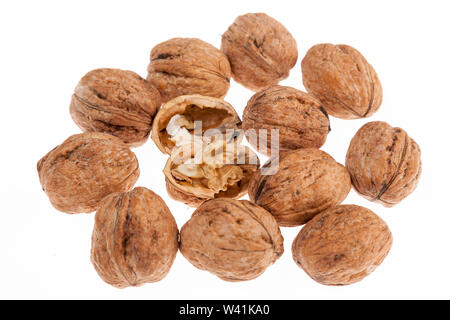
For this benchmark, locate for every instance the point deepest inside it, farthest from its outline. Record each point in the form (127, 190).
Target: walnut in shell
(184, 66)
(234, 240)
(340, 77)
(342, 245)
(384, 163)
(135, 238)
(80, 172)
(117, 102)
(260, 49)
(299, 118)
(305, 183)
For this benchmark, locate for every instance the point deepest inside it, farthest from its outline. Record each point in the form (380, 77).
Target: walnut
(304, 183)
(299, 118)
(260, 49)
(117, 102)
(384, 163)
(135, 238)
(85, 168)
(342, 245)
(234, 240)
(340, 77)
(183, 66)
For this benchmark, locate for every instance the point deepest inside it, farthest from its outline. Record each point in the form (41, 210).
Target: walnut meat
(340, 77)
(299, 118)
(135, 238)
(260, 49)
(80, 172)
(234, 240)
(384, 163)
(183, 66)
(342, 245)
(304, 183)
(117, 102)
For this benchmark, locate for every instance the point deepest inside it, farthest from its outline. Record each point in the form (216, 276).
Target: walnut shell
(384, 163)
(260, 49)
(80, 172)
(305, 183)
(234, 240)
(340, 77)
(342, 245)
(184, 66)
(135, 238)
(299, 118)
(117, 102)
(213, 112)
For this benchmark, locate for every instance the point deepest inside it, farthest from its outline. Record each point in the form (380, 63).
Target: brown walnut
(260, 49)
(80, 172)
(340, 77)
(234, 240)
(384, 163)
(117, 102)
(342, 245)
(299, 118)
(135, 238)
(305, 183)
(184, 66)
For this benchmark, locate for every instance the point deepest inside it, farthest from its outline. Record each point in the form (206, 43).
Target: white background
(46, 47)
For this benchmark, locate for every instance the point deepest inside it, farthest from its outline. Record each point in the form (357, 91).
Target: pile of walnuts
(135, 237)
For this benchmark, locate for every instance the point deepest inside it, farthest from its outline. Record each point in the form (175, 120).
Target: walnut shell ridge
(117, 102)
(341, 78)
(234, 240)
(80, 172)
(299, 118)
(260, 49)
(342, 245)
(184, 66)
(384, 163)
(135, 238)
(304, 183)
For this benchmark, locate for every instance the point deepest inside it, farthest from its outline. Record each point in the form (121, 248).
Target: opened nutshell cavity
(117, 102)
(384, 163)
(135, 238)
(234, 240)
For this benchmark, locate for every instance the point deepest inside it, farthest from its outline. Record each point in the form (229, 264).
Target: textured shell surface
(342, 245)
(135, 238)
(85, 168)
(234, 240)
(384, 163)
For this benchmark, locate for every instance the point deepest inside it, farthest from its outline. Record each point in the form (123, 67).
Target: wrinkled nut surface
(135, 238)
(80, 172)
(260, 49)
(117, 102)
(305, 183)
(342, 245)
(234, 240)
(340, 77)
(184, 66)
(384, 163)
(299, 118)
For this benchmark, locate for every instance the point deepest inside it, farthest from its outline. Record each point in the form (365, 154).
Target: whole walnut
(302, 184)
(183, 66)
(299, 118)
(135, 238)
(260, 49)
(340, 77)
(80, 172)
(342, 245)
(384, 163)
(234, 240)
(117, 102)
